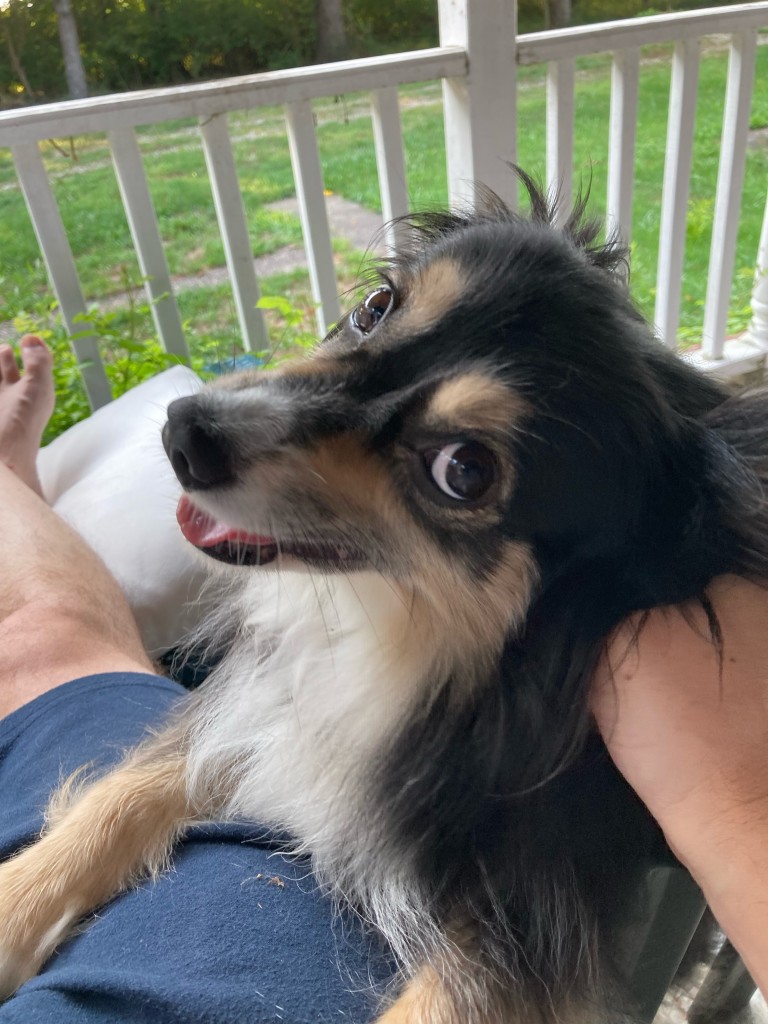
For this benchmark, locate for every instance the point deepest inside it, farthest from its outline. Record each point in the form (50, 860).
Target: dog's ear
(737, 433)
(655, 515)
(698, 509)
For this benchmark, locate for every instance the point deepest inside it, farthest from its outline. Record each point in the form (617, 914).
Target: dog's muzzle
(199, 452)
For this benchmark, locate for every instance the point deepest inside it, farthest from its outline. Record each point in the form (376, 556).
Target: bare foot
(26, 404)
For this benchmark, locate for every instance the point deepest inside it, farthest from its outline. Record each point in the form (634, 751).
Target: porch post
(480, 108)
(758, 328)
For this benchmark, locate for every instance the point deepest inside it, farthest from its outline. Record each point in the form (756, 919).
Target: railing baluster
(477, 62)
(758, 328)
(140, 211)
(621, 143)
(674, 196)
(480, 107)
(308, 176)
(390, 159)
(730, 179)
(560, 88)
(233, 227)
(57, 254)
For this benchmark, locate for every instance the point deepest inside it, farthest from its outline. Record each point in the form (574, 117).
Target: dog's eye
(464, 470)
(373, 309)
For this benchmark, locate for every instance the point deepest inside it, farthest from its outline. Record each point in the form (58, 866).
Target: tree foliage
(137, 44)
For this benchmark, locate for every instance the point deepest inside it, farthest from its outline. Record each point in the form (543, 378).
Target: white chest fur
(322, 674)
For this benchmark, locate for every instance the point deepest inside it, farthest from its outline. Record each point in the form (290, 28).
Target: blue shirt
(235, 933)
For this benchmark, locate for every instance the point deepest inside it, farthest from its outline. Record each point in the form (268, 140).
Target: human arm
(693, 743)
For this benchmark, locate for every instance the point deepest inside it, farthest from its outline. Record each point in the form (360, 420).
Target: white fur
(18, 966)
(15, 969)
(293, 730)
(324, 670)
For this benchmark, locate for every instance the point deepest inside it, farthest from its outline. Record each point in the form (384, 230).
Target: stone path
(349, 221)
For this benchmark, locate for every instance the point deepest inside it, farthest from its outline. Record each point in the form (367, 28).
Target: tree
(557, 13)
(70, 49)
(13, 56)
(331, 34)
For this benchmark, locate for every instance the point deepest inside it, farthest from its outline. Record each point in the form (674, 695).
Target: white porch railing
(477, 61)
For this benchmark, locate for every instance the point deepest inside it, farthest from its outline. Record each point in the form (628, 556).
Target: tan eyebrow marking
(431, 294)
(477, 402)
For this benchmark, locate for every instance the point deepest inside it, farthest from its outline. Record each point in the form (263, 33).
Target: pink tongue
(204, 531)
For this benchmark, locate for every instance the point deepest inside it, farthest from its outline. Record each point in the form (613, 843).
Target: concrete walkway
(349, 221)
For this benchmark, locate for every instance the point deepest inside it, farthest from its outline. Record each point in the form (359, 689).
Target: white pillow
(109, 477)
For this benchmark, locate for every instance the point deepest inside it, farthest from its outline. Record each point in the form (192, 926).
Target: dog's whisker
(321, 609)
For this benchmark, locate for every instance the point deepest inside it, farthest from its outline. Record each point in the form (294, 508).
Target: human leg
(62, 615)
(234, 933)
(62, 618)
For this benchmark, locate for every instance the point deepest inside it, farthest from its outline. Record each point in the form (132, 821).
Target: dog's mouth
(238, 547)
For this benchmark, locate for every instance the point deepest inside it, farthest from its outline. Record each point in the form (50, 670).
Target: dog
(480, 472)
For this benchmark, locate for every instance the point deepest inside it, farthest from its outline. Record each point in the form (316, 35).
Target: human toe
(9, 369)
(36, 357)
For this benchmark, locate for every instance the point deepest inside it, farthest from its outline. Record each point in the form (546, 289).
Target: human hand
(692, 741)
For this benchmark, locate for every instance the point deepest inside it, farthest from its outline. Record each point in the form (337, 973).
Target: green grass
(92, 212)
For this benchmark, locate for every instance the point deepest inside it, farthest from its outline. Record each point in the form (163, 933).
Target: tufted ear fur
(705, 513)
(582, 231)
(737, 431)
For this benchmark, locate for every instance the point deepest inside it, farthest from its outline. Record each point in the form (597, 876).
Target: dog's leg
(427, 1000)
(423, 1001)
(115, 831)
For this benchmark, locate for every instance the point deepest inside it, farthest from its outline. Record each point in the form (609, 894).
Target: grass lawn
(89, 201)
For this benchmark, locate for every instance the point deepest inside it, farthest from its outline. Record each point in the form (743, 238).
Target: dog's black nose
(197, 447)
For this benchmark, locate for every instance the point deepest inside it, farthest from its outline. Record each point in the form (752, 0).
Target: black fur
(639, 481)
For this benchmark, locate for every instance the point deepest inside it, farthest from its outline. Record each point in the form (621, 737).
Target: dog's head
(492, 418)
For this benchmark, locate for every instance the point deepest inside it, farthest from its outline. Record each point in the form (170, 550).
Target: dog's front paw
(32, 922)
(15, 969)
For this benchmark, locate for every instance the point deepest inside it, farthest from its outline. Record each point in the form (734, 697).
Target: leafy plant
(129, 354)
(290, 322)
(700, 215)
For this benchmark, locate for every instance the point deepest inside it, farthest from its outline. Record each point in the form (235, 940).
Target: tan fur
(424, 1001)
(452, 611)
(430, 296)
(350, 473)
(475, 401)
(316, 361)
(471, 617)
(115, 830)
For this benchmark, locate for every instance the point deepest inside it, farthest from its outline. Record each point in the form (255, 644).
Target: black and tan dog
(482, 470)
